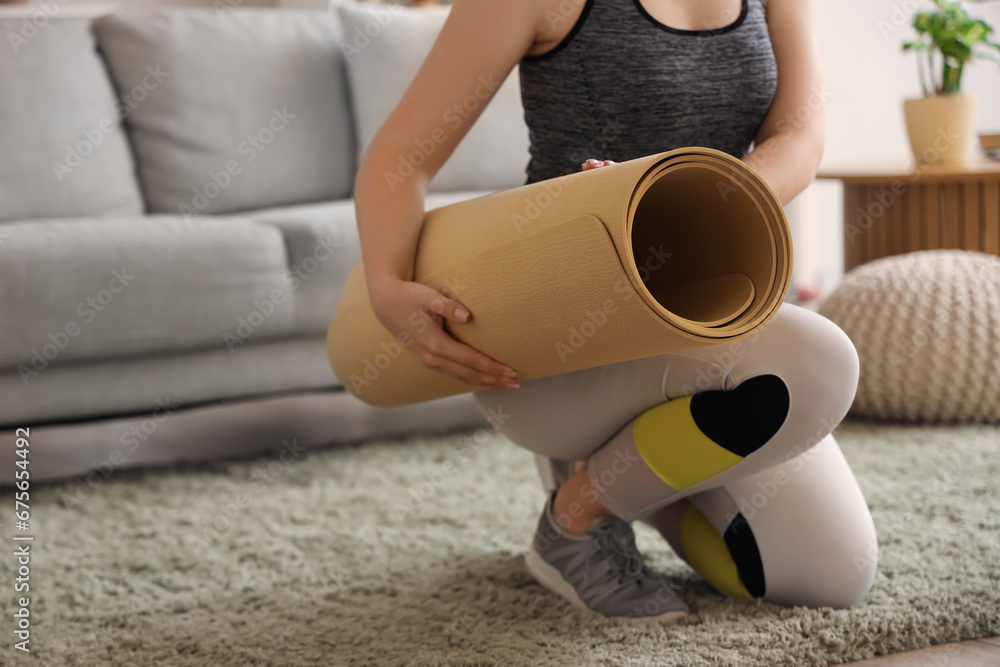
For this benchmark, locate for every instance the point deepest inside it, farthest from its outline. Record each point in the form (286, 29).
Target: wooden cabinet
(890, 210)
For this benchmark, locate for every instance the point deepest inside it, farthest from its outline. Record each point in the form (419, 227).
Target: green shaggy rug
(408, 552)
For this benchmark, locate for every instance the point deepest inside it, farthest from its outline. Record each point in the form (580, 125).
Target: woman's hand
(419, 311)
(594, 163)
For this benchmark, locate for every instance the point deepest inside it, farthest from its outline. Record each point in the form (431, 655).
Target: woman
(725, 449)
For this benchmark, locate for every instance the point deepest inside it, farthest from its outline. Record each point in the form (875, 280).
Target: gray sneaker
(602, 571)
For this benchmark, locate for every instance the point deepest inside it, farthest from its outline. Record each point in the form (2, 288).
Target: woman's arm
(789, 143)
(479, 45)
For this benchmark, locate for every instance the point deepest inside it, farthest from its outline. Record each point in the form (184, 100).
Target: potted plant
(941, 124)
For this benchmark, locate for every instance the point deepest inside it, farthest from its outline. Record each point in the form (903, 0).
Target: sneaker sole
(550, 577)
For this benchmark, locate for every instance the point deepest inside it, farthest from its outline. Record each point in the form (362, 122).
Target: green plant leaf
(949, 30)
(923, 21)
(957, 50)
(973, 32)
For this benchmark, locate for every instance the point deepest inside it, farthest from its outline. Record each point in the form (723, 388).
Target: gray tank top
(622, 85)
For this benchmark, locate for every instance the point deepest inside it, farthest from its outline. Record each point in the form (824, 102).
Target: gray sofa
(176, 225)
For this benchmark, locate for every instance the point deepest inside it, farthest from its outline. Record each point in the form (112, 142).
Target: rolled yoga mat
(655, 255)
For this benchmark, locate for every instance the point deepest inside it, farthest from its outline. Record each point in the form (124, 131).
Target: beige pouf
(927, 329)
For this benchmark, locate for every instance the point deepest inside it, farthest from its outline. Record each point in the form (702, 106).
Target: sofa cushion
(62, 148)
(323, 246)
(92, 288)
(253, 110)
(385, 46)
(139, 383)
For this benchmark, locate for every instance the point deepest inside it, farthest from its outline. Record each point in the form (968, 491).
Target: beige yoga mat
(667, 252)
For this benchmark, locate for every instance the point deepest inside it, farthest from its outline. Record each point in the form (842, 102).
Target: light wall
(867, 77)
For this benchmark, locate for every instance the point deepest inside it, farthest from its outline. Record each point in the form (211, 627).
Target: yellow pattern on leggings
(707, 552)
(674, 447)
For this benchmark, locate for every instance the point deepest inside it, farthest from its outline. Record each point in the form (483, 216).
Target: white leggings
(786, 523)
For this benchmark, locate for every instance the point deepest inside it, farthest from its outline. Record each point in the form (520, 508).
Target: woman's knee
(836, 373)
(816, 360)
(840, 577)
(818, 541)
(784, 544)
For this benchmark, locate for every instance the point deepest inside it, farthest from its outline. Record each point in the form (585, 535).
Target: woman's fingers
(449, 309)
(458, 360)
(442, 345)
(466, 374)
(395, 306)
(473, 358)
(594, 163)
(443, 351)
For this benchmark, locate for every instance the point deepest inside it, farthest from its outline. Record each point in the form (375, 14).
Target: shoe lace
(615, 537)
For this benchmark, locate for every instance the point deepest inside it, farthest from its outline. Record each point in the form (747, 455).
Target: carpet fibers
(404, 552)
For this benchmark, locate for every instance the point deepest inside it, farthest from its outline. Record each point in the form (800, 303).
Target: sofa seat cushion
(93, 288)
(139, 384)
(323, 247)
(62, 148)
(252, 110)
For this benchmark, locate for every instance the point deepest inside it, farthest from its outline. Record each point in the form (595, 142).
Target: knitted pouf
(927, 329)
